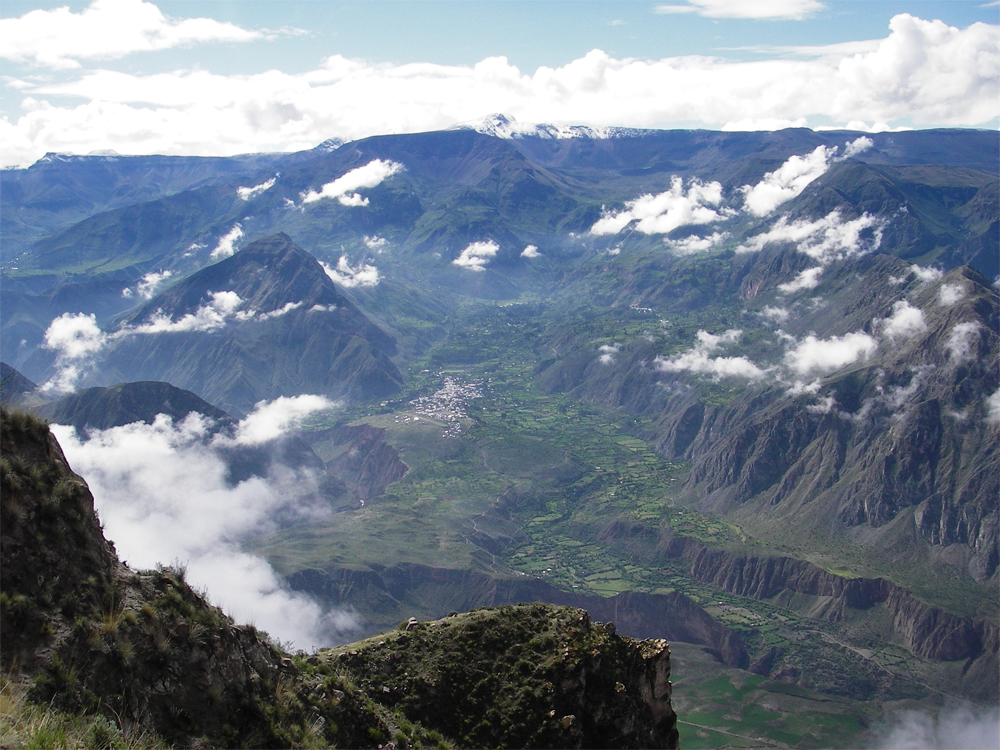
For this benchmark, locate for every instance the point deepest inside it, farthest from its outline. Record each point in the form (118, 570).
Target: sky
(224, 77)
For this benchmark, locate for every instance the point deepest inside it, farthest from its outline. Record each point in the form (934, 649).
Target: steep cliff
(84, 633)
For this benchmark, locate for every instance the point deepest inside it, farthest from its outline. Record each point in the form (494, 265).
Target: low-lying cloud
(162, 493)
(477, 255)
(695, 244)
(246, 193)
(665, 212)
(813, 355)
(227, 243)
(962, 728)
(210, 316)
(347, 275)
(905, 322)
(698, 359)
(344, 188)
(961, 340)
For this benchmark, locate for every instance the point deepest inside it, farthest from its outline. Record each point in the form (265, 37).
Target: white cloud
(857, 146)
(823, 405)
(694, 244)
(208, 317)
(270, 420)
(322, 308)
(608, 352)
(759, 9)
(246, 193)
(162, 495)
(477, 255)
(960, 341)
(787, 181)
(663, 213)
(813, 355)
(106, 29)
(807, 279)
(924, 71)
(951, 729)
(147, 286)
(376, 243)
(697, 359)
(76, 339)
(226, 246)
(371, 174)
(777, 314)
(530, 252)
(949, 294)
(280, 312)
(347, 275)
(926, 274)
(906, 321)
(993, 408)
(824, 240)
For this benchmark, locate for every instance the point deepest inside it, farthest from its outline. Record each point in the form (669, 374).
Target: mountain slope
(144, 650)
(281, 327)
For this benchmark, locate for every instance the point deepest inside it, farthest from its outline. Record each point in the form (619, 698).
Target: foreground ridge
(143, 656)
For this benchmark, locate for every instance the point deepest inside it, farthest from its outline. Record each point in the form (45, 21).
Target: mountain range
(748, 377)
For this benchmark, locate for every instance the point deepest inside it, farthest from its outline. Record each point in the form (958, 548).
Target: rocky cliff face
(523, 676)
(408, 588)
(142, 648)
(927, 631)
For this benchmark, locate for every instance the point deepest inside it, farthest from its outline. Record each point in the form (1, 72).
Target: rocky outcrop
(384, 594)
(84, 633)
(522, 676)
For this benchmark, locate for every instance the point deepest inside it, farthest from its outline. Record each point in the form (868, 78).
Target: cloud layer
(477, 255)
(665, 212)
(162, 495)
(105, 30)
(923, 72)
(343, 188)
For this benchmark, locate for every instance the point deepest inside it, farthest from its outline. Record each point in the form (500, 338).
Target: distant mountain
(289, 330)
(125, 403)
(13, 385)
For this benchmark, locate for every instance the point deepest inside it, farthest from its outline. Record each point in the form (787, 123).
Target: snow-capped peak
(504, 126)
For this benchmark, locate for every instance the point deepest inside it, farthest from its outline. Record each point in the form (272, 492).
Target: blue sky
(224, 77)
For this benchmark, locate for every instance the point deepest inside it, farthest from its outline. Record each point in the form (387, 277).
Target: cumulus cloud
(280, 312)
(819, 356)
(530, 252)
(227, 243)
(162, 494)
(376, 243)
(608, 352)
(926, 274)
(993, 408)
(208, 317)
(694, 244)
(347, 275)
(807, 279)
(857, 146)
(76, 339)
(246, 193)
(105, 30)
(949, 294)
(663, 213)
(777, 314)
(905, 322)
(477, 255)
(787, 181)
(758, 9)
(960, 341)
(697, 359)
(824, 240)
(271, 420)
(147, 286)
(343, 188)
(925, 71)
(959, 728)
